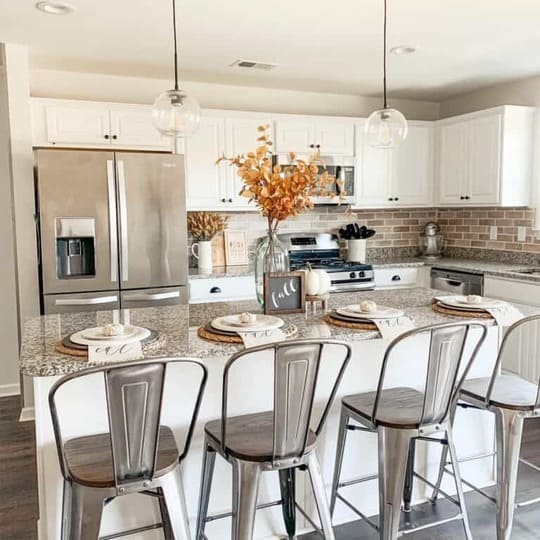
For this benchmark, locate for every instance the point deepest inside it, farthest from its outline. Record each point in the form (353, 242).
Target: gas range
(321, 251)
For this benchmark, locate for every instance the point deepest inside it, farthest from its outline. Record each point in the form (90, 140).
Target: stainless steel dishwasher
(457, 282)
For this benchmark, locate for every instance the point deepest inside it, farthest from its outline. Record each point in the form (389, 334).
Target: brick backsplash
(470, 227)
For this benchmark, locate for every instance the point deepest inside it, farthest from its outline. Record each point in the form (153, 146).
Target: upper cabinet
(332, 137)
(402, 177)
(83, 124)
(217, 187)
(485, 158)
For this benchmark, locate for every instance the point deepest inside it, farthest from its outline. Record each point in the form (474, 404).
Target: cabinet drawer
(396, 277)
(221, 289)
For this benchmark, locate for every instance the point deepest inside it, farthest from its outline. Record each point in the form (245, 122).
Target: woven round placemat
(61, 348)
(461, 313)
(352, 325)
(206, 333)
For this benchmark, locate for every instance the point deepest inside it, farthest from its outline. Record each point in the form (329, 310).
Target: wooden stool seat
(509, 392)
(398, 407)
(89, 458)
(250, 437)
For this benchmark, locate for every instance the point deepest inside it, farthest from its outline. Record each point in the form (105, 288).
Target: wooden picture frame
(284, 292)
(236, 253)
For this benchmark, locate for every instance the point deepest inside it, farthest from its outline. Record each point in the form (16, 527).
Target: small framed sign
(236, 248)
(284, 292)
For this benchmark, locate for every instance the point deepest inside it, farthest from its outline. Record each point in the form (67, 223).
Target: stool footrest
(229, 514)
(309, 520)
(132, 531)
(357, 512)
(366, 478)
(438, 489)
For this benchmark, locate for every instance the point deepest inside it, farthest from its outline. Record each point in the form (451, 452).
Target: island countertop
(177, 328)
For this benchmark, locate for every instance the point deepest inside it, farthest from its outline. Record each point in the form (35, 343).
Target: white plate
(230, 323)
(461, 302)
(382, 312)
(78, 337)
(97, 333)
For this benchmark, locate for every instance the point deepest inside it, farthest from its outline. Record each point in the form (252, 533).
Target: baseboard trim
(9, 390)
(27, 414)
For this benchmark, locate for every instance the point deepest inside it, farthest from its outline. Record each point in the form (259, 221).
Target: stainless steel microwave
(341, 168)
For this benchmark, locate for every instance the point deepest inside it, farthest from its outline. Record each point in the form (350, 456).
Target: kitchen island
(177, 327)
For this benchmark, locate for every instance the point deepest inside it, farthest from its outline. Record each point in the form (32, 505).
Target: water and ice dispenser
(75, 247)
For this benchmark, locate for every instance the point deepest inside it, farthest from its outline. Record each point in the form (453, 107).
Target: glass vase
(270, 256)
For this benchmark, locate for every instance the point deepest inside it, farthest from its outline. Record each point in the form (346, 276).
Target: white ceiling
(320, 45)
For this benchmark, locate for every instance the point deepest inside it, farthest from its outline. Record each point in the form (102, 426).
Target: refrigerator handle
(85, 301)
(123, 220)
(152, 296)
(113, 232)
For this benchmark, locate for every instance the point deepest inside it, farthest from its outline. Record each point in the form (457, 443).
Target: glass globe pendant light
(386, 127)
(175, 113)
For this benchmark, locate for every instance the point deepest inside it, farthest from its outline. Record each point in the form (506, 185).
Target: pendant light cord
(175, 46)
(384, 58)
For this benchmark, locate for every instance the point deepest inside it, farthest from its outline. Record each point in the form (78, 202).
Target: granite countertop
(221, 271)
(177, 327)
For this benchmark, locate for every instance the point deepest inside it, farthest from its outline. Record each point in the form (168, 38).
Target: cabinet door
(485, 160)
(295, 136)
(376, 177)
(454, 162)
(206, 182)
(240, 138)
(78, 125)
(133, 127)
(412, 165)
(335, 138)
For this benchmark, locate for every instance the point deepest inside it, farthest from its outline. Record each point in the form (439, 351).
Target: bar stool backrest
(521, 340)
(296, 373)
(134, 394)
(446, 358)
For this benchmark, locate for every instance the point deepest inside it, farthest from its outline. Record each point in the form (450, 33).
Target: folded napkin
(253, 339)
(121, 352)
(392, 328)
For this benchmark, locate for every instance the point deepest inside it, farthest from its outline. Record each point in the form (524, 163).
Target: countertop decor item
(356, 237)
(175, 113)
(279, 192)
(284, 292)
(204, 226)
(386, 127)
(236, 253)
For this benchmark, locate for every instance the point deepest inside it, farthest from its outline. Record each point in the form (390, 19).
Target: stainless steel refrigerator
(112, 229)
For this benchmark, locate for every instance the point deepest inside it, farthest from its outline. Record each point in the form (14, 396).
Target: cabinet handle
(106, 136)
(396, 278)
(215, 290)
(230, 200)
(224, 199)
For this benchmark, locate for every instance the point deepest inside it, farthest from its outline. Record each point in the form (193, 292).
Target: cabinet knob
(467, 197)
(106, 136)
(230, 200)
(462, 198)
(390, 199)
(396, 198)
(115, 137)
(224, 199)
(312, 146)
(318, 146)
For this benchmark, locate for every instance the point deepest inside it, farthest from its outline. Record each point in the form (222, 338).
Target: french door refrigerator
(112, 229)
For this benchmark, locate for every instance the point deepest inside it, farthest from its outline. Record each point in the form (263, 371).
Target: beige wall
(100, 87)
(522, 92)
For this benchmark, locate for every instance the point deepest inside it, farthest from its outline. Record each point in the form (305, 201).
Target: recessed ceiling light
(403, 49)
(54, 8)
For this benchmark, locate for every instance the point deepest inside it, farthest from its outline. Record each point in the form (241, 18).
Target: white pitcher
(202, 251)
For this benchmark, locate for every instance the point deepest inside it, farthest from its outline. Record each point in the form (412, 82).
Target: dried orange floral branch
(280, 191)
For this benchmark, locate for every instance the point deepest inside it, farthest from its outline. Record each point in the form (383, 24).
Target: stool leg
(246, 477)
(317, 484)
(457, 479)
(409, 477)
(66, 511)
(173, 492)
(165, 520)
(340, 449)
(287, 485)
(393, 453)
(209, 461)
(509, 429)
(85, 512)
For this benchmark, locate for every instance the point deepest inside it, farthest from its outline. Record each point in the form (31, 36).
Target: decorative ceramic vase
(202, 251)
(270, 256)
(356, 250)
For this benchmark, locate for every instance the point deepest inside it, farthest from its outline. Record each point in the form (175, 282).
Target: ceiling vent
(251, 64)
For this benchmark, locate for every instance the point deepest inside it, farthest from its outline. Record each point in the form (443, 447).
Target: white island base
(84, 413)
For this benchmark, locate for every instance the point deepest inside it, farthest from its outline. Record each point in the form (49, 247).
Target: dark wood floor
(18, 493)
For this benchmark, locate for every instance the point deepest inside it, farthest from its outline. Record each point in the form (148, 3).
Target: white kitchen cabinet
(93, 124)
(305, 135)
(485, 158)
(217, 187)
(402, 177)
(223, 289)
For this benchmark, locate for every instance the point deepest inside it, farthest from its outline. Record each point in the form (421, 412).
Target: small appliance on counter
(322, 251)
(431, 242)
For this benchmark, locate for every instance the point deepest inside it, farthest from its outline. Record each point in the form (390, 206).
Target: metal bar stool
(402, 415)
(511, 399)
(277, 440)
(136, 455)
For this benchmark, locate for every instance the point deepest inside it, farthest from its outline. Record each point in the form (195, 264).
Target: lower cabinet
(223, 289)
(520, 292)
(404, 277)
